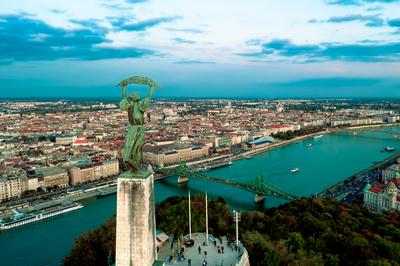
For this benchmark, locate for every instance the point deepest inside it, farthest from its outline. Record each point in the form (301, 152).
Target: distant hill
(309, 231)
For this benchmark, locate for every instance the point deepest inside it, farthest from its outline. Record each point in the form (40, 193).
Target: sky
(207, 48)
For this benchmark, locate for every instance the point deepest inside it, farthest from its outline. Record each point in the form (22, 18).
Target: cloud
(124, 24)
(369, 20)
(183, 41)
(92, 24)
(343, 2)
(359, 2)
(193, 62)
(394, 22)
(254, 41)
(375, 8)
(57, 11)
(25, 39)
(364, 52)
(135, 1)
(188, 30)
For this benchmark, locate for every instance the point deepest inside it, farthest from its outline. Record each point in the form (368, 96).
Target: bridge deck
(257, 186)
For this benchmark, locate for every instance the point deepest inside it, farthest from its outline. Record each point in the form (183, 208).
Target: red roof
(81, 140)
(381, 187)
(13, 160)
(278, 126)
(396, 182)
(377, 188)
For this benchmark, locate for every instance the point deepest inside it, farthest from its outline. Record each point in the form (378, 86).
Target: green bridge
(378, 133)
(258, 186)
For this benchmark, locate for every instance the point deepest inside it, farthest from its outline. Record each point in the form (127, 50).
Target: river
(331, 159)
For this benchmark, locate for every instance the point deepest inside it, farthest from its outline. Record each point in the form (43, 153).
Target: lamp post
(236, 218)
(190, 219)
(206, 220)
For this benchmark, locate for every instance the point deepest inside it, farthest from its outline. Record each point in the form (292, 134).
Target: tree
(295, 242)
(94, 248)
(261, 250)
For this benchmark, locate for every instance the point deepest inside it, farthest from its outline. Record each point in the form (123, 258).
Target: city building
(170, 154)
(10, 188)
(52, 177)
(81, 174)
(65, 140)
(382, 197)
(85, 173)
(391, 172)
(33, 182)
(261, 142)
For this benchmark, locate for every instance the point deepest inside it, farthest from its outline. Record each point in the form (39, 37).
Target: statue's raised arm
(140, 81)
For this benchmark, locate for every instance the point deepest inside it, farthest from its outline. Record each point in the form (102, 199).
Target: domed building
(391, 172)
(382, 197)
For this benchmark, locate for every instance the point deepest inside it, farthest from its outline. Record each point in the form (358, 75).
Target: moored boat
(20, 219)
(294, 170)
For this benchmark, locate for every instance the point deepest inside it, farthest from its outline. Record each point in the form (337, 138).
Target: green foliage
(172, 215)
(301, 132)
(94, 247)
(261, 250)
(308, 231)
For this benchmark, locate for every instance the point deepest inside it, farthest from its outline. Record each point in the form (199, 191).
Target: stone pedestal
(135, 239)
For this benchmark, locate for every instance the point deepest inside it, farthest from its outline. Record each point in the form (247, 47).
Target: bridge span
(258, 186)
(378, 133)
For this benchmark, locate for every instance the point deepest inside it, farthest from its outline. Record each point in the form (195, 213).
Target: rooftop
(262, 140)
(48, 171)
(229, 257)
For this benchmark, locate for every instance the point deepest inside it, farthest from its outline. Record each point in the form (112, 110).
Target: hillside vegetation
(309, 231)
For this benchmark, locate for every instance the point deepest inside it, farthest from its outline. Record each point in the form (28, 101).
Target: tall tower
(135, 240)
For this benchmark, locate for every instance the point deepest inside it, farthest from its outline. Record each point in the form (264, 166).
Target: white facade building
(382, 197)
(10, 188)
(392, 172)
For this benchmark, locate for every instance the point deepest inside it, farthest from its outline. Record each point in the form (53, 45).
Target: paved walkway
(213, 258)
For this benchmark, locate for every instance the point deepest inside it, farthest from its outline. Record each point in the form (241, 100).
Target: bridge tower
(260, 187)
(183, 179)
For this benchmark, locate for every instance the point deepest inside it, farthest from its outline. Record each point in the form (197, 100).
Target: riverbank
(373, 126)
(74, 196)
(357, 181)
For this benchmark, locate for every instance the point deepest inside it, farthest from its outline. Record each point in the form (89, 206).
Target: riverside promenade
(351, 188)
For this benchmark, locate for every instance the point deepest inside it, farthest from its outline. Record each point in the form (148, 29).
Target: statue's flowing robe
(134, 139)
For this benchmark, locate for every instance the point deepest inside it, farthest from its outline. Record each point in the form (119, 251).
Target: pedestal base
(135, 238)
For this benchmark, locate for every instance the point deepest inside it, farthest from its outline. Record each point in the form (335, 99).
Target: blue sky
(208, 48)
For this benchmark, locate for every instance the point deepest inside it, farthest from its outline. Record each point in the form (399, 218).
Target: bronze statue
(134, 140)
